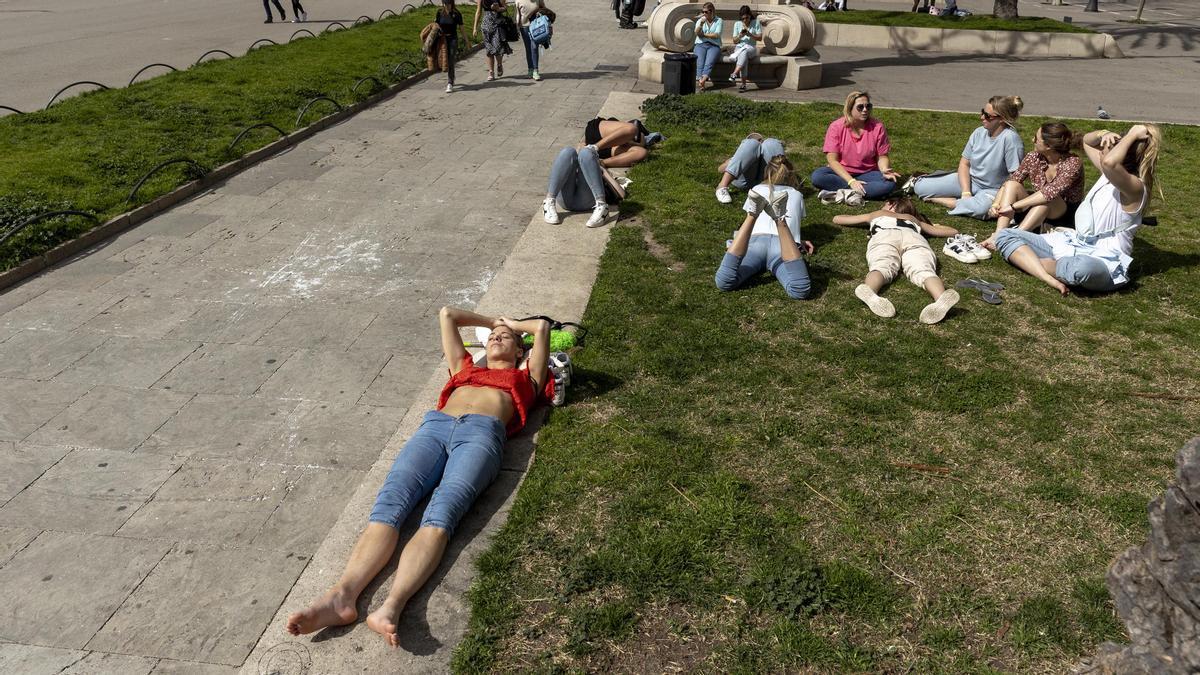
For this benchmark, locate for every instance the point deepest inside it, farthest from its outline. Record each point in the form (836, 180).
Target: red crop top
(515, 382)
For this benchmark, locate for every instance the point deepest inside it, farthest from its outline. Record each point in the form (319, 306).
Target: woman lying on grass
(747, 165)
(769, 238)
(456, 450)
(1095, 256)
(897, 244)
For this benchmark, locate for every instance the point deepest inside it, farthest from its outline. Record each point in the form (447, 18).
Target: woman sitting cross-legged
(455, 455)
(769, 238)
(577, 182)
(747, 33)
(745, 168)
(992, 154)
(1097, 254)
(1057, 178)
(897, 244)
(856, 152)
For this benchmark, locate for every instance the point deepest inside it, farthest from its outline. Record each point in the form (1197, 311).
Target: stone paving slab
(15, 658)
(224, 369)
(109, 417)
(135, 363)
(23, 463)
(56, 596)
(200, 605)
(90, 491)
(27, 405)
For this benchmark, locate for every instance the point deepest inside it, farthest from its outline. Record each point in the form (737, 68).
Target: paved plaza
(193, 414)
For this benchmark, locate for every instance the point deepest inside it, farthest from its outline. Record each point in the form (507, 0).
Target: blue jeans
(763, 254)
(877, 186)
(459, 456)
(576, 180)
(1085, 271)
(706, 57)
(531, 49)
(748, 162)
(977, 206)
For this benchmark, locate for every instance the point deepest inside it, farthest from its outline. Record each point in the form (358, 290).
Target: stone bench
(767, 70)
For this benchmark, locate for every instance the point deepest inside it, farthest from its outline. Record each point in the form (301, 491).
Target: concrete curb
(124, 221)
(564, 259)
(985, 42)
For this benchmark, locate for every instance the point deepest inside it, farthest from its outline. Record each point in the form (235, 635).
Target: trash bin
(679, 73)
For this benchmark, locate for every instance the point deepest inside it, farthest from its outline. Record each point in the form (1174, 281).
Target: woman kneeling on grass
(769, 238)
(897, 244)
(456, 450)
(1095, 256)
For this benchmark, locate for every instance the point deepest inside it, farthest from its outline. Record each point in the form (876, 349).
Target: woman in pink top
(856, 152)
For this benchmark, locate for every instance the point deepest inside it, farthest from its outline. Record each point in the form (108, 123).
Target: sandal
(989, 291)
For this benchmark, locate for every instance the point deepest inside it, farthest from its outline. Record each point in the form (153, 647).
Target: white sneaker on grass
(974, 248)
(723, 195)
(880, 306)
(550, 211)
(958, 249)
(937, 310)
(829, 196)
(599, 213)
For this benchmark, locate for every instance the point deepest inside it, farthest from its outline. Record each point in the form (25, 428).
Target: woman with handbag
(497, 26)
(528, 12)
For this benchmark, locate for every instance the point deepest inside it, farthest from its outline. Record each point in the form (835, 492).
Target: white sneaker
(937, 310)
(956, 248)
(723, 195)
(550, 211)
(852, 197)
(880, 306)
(599, 213)
(974, 248)
(536, 76)
(449, 88)
(830, 196)
(304, 16)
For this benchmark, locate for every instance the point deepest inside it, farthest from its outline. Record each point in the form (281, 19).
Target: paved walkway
(186, 410)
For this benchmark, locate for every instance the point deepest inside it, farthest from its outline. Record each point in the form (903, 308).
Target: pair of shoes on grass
(550, 213)
(930, 314)
(963, 248)
(844, 196)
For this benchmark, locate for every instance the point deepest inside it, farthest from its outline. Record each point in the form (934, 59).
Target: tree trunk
(1005, 9)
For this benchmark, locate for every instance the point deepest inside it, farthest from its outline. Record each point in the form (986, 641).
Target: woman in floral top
(1057, 178)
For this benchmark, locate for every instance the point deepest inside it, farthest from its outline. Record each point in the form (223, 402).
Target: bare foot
(334, 608)
(1062, 288)
(989, 243)
(385, 621)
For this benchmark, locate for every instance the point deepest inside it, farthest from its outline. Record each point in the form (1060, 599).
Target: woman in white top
(1096, 255)
(769, 238)
(747, 33)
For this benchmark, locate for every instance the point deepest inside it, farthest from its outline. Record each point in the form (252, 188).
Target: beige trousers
(890, 251)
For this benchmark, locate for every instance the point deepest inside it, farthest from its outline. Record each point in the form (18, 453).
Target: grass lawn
(87, 152)
(743, 482)
(875, 17)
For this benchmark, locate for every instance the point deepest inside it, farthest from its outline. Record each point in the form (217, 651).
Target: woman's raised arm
(450, 319)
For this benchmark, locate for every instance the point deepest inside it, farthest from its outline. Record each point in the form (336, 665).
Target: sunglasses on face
(863, 107)
(985, 115)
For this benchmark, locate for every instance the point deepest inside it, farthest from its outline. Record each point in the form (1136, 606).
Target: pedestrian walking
(450, 23)
(267, 6)
(298, 13)
(490, 17)
(534, 20)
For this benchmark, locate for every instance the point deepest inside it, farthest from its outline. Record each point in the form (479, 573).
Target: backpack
(540, 30)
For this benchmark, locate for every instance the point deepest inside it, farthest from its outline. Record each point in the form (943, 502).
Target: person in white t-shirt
(769, 238)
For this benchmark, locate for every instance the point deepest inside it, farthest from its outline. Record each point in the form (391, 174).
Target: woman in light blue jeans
(745, 168)
(769, 238)
(708, 44)
(455, 455)
(577, 183)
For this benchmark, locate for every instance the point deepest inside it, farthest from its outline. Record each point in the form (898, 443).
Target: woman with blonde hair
(856, 153)
(769, 237)
(1095, 255)
(992, 153)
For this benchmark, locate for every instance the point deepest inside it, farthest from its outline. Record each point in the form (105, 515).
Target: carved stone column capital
(787, 29)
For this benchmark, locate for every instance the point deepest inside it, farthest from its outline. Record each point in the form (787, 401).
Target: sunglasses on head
(863, 107)
(984, 113)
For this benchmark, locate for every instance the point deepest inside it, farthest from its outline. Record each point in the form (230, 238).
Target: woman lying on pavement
(1095, 256)
(992, 154)
(769, 238)
(456, 450)
(745, 168)
(620, 144)
(578, 183)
